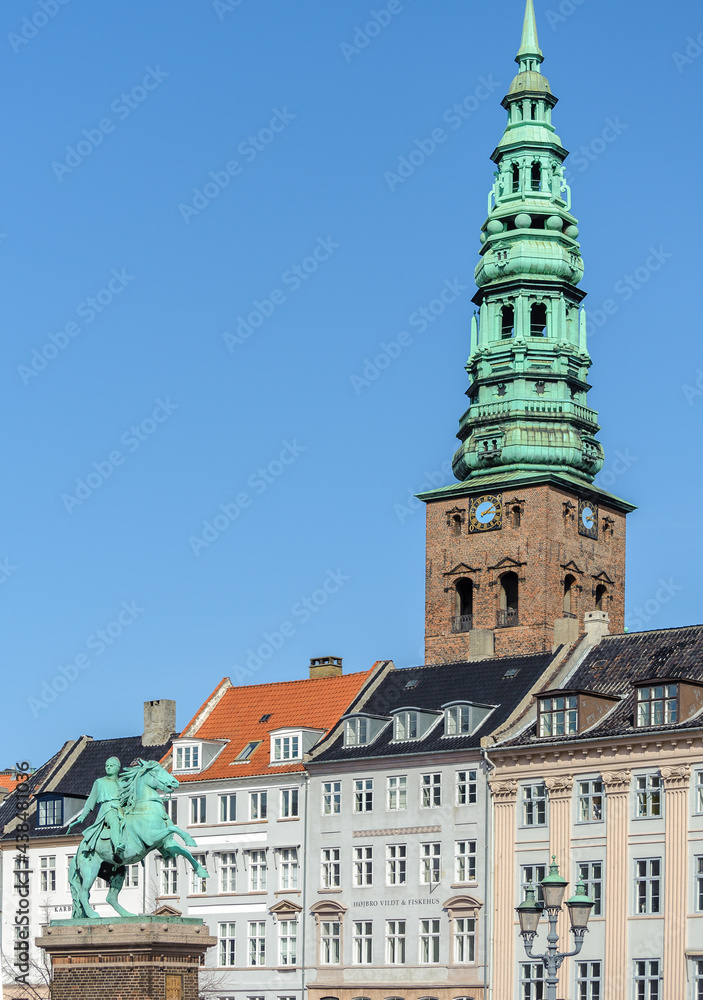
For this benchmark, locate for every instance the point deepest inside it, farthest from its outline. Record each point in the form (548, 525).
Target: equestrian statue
(131, 823)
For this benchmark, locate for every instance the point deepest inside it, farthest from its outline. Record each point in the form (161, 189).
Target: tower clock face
(485, 513)
(588, 519)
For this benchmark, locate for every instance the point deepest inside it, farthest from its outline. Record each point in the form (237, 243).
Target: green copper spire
(529, 358)
(530, 52)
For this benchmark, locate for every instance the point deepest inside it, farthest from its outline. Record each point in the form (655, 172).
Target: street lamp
(530, 911)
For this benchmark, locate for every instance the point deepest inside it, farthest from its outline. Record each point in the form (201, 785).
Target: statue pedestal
(126, 958)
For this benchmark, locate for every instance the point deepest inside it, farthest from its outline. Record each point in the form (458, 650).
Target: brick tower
(524, 544)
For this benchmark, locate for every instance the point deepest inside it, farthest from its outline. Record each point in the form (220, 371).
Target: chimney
(597, 624)
(325, 666)
(159, 722)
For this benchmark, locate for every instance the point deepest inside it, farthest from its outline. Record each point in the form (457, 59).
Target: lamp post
(530, 911)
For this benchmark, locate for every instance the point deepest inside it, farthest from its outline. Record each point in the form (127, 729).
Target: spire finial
(530, 55)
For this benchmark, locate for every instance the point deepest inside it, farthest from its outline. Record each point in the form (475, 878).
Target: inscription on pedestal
(174, 987)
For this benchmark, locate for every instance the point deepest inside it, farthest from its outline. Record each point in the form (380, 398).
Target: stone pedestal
(126, 958)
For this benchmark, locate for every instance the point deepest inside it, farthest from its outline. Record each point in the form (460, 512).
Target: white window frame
(362, 868)
(464, 930)
(397, 792)
(331, 798)
(430, 863)
(331, 868)
(331, 941)
(465, 861)
(590, 800)
(198, 810)
(589, 980)
(429, 940)
(431, 790)
(256, 943)
(362, 942)
(594, 881)
(356, 732)
(47, 873)
(198, 884)
(647, 972)
(227, 944)
(132, 876)
(532, 973)
(458, 720)
(406, 726)
(258, 806)
(290, 803)
(396, 942)
(657, 711)
(288, 869)
(288, 942)
(363, 795)
(562, 711)
(228, 808)
(258, 870)
(396, 864)
(466, 787)
(187, 757)
(286, 747)
(227, 872)
(649, 796)
(534, 800)
(648, 886)
(169, 876)
(532, 875)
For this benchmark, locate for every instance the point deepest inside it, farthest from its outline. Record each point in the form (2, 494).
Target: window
(257, 871)
(456, 524)
(647, 979)
(465, 861)
(171, 807)
(507, 322)
(698, 869)
(516, 178)
(357, 732)
(508, 597)
(464, 940)
(463, 606)
(228, 808)
(256, 941)
(406, 727)
(538, 320)
(50, 812)
(430, 863)
(331, 868)
(698, 980)
(396, 864)
(600, 597)
(649, 795)
(226, 939)
(249, 750)
(534, 804)
(131, 876)
(648, 885)
(532, 875)
(397, 792)
(699, 791)
(188, 758)
(169, 877)
(569, 594)
(228, 872)
(532, 985)
(363, 866)
(198, 884)
(331, 798)
(288, 868)
(47, 873)
(287, 942)
(363, 942)
(459, 720)
(590, 801)
(289, 803)
(658, 705)
(198, 813)
(465, 788)
(591, 873)
(588, 981)
(363, 795)
(258, 805)
(536, 173)
(395, 942)
(558, 716)
(431, 790)
(330, 942)
(429, 942)
(286, 748)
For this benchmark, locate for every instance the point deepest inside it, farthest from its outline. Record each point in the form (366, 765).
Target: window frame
(290, 802)
(257, 869)
(228, 806)
(227, 944)
(667, 699)
(648, 976)
(594, 883)
(47, 873)
(227, 871)
(258, 806)
(194, 754)
(286, 747)
(396, 940)
(330, 939)
(469, 785)
(429, 940)
(363, 795)
(57, 811)
(169, 876)
(431, 790)
(589, 797)
(399, 792)
(198, 810)
(257, 939)
(431, 863)
(198, 884)
(287, 942)
(648, 886)
(569, 713)
(331, 867)
(529, 803)
(536, 976)
(356, 731)
(406, 726)
(362, 942)
(332, 796)
(465, 859)
(396, 864)
(588, 977)
(648, 788)
(362, 866)
(288, 869)
(698, 883)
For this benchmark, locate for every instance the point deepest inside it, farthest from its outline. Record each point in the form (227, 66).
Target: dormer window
(356, 732)
(463, 719)
(188, 757)
(406, 726)
(286, 748)
(657, 705)
(50, 811)
(559, 716)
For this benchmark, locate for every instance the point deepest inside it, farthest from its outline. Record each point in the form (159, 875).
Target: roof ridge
(652, 631)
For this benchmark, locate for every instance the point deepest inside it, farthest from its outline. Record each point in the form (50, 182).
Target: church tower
(524, 545)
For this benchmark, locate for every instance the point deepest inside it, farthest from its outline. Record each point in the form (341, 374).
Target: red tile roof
(237, 713)
(8, 782)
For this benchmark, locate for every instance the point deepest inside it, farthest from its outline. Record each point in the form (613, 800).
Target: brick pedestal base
(128, 958)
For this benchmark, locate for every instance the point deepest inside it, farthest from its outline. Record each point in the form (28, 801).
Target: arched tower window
(508, 612)
(533, 110)
(456, 524)
(507, 326)
(463, 605)
(601, 597)
(569, 594)
(516, 178)
(536, 176)
(516, 515)
(538, 320)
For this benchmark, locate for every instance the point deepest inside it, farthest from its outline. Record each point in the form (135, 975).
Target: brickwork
(135, 960)
(542, 545)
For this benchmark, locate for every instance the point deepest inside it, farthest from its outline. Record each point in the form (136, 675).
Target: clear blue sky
(114, 113)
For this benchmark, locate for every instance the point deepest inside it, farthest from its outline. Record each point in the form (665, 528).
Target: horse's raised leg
(185, 837)
(172, 848)
(116, 882)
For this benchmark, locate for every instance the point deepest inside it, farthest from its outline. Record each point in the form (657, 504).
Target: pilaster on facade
(617, 788)
(504, 794)
(560, 792)
(676, 781)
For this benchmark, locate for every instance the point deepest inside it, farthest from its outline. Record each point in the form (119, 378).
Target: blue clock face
(486, 512)
(588, 518)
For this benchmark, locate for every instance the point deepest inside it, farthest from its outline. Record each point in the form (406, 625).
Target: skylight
(265, 718)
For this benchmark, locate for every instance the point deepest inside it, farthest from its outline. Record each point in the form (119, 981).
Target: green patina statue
(131, 822)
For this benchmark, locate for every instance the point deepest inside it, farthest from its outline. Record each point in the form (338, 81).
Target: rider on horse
(105, 793)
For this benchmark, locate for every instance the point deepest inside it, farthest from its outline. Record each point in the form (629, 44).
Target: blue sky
(203, 247)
